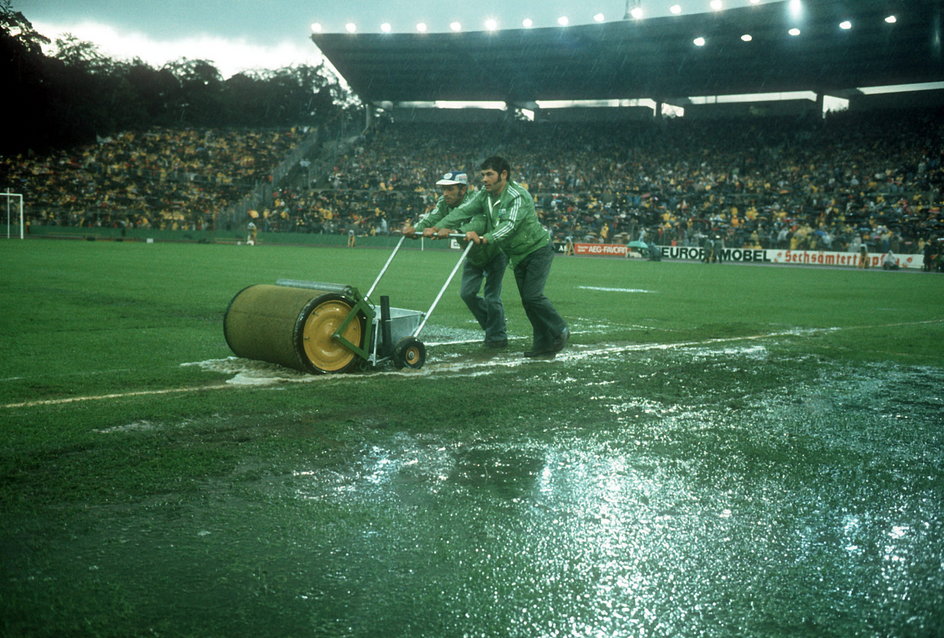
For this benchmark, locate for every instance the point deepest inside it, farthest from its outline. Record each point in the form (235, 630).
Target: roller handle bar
(455, 269)
(385, 266)
(394, 254)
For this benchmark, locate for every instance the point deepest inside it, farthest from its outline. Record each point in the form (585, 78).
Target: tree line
(80, 94)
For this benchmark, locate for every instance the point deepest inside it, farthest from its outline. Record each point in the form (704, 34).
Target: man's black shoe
(497, 344)
(542, 352)
(561, 340)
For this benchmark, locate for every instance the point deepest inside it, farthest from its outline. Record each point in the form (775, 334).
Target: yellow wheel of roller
(325, 353)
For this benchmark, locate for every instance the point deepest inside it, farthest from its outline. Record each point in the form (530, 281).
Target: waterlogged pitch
(721, 451)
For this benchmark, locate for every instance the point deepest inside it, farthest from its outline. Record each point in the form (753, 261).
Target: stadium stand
(786, 178)
(873, 178)
(162, 178)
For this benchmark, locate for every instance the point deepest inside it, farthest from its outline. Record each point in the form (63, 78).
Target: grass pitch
(722, 450)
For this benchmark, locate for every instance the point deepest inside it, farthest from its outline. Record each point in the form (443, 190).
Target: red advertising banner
(601, 250)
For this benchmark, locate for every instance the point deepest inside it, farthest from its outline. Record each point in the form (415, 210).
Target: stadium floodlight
(717, 5)
(891, 19)
(794, 32)
(350, 27)
(599, 17)
(845, 25)
(699, 41)
(796, 8)
(455, 26)
(747, 37)
(421, 27)
(755, 1)
(386, 28)
(491, 24)
(636, 13)
(563, 21)
(675, 9)
(316, 27)
(527, 23)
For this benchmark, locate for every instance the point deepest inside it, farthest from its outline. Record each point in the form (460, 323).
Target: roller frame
(363, 305)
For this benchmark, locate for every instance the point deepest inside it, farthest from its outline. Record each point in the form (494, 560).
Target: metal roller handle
(455, 269)
(394, 254)
(316, 285)
(385, 266)
(449, 236)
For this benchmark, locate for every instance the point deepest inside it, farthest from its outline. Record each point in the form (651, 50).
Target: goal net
(13, 202)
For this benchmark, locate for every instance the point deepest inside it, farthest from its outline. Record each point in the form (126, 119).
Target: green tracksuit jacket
(480, 254)
(511, 222)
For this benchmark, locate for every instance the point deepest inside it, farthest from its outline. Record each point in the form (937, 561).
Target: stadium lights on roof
(699, 41)
(891, 19)
(795, 7)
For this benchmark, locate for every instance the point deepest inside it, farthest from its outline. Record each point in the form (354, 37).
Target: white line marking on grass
(466, 367)
(116, 395)
(461, 342)
(614, 289)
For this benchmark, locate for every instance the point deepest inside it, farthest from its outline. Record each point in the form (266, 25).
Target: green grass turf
(741, 450)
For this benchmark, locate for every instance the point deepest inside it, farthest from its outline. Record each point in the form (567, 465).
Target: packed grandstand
(785, 178)
(810, 184)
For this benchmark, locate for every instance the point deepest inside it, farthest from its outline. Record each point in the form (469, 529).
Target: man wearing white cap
(484, 261)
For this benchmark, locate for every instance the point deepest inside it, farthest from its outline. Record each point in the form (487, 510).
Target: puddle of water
(698, 502)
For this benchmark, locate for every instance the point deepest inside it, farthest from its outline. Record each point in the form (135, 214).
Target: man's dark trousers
(488, 311)
(531, 275)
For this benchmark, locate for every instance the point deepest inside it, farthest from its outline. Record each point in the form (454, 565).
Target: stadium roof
(653, 58)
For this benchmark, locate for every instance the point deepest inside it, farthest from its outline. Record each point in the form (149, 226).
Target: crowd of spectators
(853, 179)
(161, 178)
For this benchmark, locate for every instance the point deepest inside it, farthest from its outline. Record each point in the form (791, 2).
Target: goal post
(13, 199)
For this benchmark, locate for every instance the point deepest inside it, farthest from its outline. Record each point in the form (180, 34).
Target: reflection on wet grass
(686, 492)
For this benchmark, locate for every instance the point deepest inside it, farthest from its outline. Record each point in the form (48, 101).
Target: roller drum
(292, 327)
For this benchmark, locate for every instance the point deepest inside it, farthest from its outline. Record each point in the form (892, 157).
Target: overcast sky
(267, 34)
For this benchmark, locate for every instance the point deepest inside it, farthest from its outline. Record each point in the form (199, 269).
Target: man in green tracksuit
(483, 262)
(502, 214)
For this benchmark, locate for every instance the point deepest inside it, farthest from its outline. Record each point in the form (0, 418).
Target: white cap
(452, 178)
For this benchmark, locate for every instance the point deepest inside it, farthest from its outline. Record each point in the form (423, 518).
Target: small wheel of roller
(409, 353)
